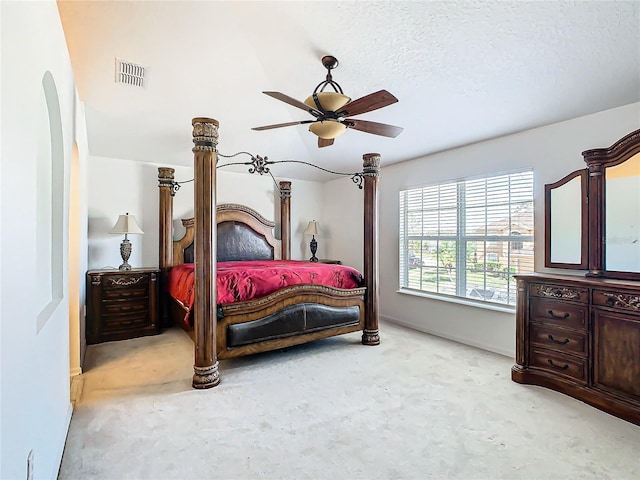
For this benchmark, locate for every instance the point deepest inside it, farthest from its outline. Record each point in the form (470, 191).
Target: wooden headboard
(242, 234)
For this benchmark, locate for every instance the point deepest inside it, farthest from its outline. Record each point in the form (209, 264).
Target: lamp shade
(328, 129)
(126, 224)
(329, 101)
(313, 228)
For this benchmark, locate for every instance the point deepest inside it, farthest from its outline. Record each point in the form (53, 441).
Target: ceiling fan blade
(324, 142)
(296, 103)
(278, 125)
(373, 127)
(368, 103)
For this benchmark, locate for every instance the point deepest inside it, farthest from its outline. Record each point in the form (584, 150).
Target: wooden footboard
(290, 316)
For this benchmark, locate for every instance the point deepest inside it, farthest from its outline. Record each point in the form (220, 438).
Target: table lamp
(313, 230)
(126, 224)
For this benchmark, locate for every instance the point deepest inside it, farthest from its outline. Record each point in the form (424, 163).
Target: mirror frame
(597, 161)
(584, 221)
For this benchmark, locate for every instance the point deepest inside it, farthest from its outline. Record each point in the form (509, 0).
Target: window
(467, 238)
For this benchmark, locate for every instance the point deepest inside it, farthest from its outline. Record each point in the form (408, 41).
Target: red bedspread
(241, 281)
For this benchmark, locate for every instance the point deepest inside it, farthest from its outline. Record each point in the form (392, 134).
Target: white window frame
(462, 238)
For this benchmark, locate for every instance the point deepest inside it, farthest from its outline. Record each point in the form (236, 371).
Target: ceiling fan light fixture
(329, 101)
(328, 129)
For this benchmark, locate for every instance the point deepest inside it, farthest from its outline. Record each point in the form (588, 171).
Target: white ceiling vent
(130, 73)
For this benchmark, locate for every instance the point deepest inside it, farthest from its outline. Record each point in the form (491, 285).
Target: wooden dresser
(121, 304)
(581, 336)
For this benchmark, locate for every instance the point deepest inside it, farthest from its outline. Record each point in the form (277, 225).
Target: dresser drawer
(558, 339)
(560, 292)
(558, 313)
(112, 323)
(559, 364)
(619, 300)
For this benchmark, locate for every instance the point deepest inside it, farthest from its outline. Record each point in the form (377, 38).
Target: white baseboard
(464, 341)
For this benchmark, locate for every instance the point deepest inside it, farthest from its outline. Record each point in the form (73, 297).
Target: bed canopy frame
(205, 140)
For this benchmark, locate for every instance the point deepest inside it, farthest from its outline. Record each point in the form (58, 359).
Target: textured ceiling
(463, 71)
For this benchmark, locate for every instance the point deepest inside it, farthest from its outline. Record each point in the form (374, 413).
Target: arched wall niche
(49, 203)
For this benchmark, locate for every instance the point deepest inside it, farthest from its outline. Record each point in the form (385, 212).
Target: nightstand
(329, 260)
(122, 304)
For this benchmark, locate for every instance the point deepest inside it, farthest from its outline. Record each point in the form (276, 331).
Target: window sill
(460, 301)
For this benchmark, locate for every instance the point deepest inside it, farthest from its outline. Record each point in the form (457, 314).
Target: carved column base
(205, 377)
(370, 337)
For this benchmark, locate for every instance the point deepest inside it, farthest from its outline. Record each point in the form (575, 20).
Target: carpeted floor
(415, 407)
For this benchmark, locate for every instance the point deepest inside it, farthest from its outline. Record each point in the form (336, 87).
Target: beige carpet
(414, 407)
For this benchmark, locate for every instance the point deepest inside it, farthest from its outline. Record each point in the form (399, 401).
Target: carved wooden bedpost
(165, 260)
(205, 141)
(285, 219)
(371, 173)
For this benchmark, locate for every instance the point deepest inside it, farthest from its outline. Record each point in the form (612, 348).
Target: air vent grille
(130, 73)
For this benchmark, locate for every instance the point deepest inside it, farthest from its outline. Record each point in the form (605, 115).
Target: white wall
(553, 151)
(35, 405)
(118, 186)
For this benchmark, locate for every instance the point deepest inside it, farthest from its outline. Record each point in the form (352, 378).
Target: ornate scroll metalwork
(557, 292)
(260, 165)
(622, 300)
(126, 281)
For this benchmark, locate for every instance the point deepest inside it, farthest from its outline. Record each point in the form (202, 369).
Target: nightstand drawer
(558, 339)
(124, 293)
(558, 313)
(138, 280)
(111, 323)
(110, 307)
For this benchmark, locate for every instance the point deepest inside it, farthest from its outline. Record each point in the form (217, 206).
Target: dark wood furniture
(581, 336)
(210, 334)
(609, 214)
(331, 261)
(121, 304)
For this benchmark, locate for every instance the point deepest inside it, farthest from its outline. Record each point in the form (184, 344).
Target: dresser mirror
(592, 216)
(566, 222)
(622, 216)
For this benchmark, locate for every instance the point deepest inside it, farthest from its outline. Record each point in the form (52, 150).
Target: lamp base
(314, 248)
(125, 253)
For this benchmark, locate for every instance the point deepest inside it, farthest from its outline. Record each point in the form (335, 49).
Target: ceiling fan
(330, 110)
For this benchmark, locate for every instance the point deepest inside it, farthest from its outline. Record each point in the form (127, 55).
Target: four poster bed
(249, 295)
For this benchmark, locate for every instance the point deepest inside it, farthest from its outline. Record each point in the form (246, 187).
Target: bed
(237, 236)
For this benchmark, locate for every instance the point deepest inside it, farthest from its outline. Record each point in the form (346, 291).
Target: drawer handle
(559, 317)
(559, 342)
(564, 367)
